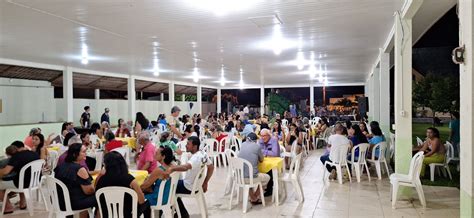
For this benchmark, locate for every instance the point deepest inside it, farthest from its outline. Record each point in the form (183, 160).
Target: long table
(140, 176)
(275, 164)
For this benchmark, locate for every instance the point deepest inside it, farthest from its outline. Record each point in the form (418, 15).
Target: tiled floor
(365, 199)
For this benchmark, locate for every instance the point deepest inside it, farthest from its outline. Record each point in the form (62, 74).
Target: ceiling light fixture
(222, 7)
(195, 75)
(84, 54)
(320, 79)
(222, 80)
(241, 83)
(326, 83)
(300, 60)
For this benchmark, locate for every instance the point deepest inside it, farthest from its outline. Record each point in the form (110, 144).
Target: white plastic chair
(342, 162)
(197, 192)
(99, 157)
(419, 142)
(162, 127)
(125, 154)
(171, 205)
(358, 166)
(392, 146)
(322, 137)
(304, 144)
(53, 199)
(284, 122)
(293, 177)
(34, 184)
(290, 155)
(238, 165)
(115, 200)
(223, 145)
(381, 159)
(211, 148)
(444, 165)
(236, 143)
(412, 179)
(228, 181)
(52, 160)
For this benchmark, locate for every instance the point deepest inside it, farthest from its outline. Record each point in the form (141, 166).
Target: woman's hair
(142, 120)
(164, 136)
(119, 121)
(94, 128)
(63, 127)
(197, 129)
(435, 131)
(279, 129)
(73, 152)
(374, 124)
(229, 126)
(115, 163)
(68, 136)
(376, 131)
(83, 135)
(358, 134)
(363, 124)
(109, 135)
(168, 155)
(188, 128)
(41, 144)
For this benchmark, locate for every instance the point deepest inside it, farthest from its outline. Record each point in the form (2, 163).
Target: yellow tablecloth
(140, 176)
(131, 141)
(54, 148)
(269, 163)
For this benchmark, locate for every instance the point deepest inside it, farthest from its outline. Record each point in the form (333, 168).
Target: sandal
(256, 202)
(7, 212)
(23, 208)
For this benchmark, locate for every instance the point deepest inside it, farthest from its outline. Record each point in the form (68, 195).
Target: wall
(8, 134)
(26, 101)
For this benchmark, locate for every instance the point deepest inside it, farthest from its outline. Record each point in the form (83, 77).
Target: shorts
(261, 177)
(4, 185)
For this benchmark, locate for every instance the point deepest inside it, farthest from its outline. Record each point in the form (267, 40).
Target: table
(140, 176)
(275, 164)
(131, 141)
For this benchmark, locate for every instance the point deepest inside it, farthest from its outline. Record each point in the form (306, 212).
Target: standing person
(17, 161)
(338, 143)
(173, 124)
(192, 167)
(251, 152)
(454, 137)
(146, 160)
(86, 117)
(105, 116)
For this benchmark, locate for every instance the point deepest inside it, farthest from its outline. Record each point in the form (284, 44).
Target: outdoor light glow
(84, 54)
(326, 83)
(84, 61)
(222, 7)
(320, 79)
(300, 60)
(277, 42)
(195, 75)
(156, 67)
(312, 71)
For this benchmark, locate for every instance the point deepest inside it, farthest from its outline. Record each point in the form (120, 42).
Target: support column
(218, 102)
(371, 112)
(311, 99)
(262, 100)
(403, 94)
(162, 96)
(171, 94)
(376, 94)
(183, 97)
(199, 99)
(384, 93)
(131, 98)
(67, 93)
(466, 22)
(96, 94)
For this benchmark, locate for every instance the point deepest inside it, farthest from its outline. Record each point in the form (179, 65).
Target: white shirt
(339, 143)
(197, 160)
(246, 110)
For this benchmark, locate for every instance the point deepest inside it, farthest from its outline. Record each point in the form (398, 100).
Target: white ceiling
(120, 33)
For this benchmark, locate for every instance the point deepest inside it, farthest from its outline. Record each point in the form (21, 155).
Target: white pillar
(466, 22)
(96, 94)
(311, 99)
(376, 94)
(384, 76)
(131, 98)
(67, 93)
(371, 113)
(171, 94)
(199, 99)
(218, 102)
(262, 100)
(162, 96)
(403, 94)
(183, 97)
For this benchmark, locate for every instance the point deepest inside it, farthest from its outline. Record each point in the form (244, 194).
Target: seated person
(165, 141)
(269, 144)
(337, 143)
(146, 160)
(377, 137)
(116, 174)
(111, 142)
(251, 152)
(432, 148)
(18, 160)
(165, 157)
(192, 167)
(122, 130)
(77, 179)
(28, 142)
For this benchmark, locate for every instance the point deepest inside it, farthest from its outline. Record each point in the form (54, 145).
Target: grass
(419, 129)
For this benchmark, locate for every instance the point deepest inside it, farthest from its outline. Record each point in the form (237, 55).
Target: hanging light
(222, 80)
(241, 83)
(195, 75)
(300, 60)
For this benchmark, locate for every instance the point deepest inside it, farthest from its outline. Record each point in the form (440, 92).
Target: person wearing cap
(173, 124)
(105, 116)
(251, 152)
(86, 117)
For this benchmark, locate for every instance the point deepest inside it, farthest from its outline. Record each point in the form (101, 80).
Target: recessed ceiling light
(222, 7)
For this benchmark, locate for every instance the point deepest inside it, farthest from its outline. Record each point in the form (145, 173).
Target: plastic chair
(125, 154)
(445, 165)
(171, 205)
(52, 160)
(290, 155)
(381, 159)
(359, 165)
(197, 192)
(412, 179)
(293, 177)
(304, 144)
(419, 142)
(392, 145)
(211, 148)
(99, 157)
(322, 137)
(115, 201)
(284, 122)
(238, 165)
(228, 181)
(342, 162)
(223, 145)
(34, 184)
(236, 143)
(55, 187)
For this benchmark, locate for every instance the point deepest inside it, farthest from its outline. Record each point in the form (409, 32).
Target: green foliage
(179, 97)
(277, 103)
(440, 93)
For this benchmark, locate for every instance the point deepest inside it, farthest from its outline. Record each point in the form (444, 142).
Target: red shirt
(219, 139)
(113, 145)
